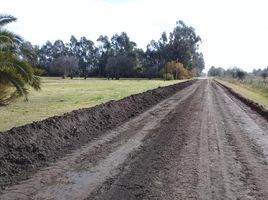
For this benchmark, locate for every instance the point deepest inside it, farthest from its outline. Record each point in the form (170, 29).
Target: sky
(233, 32)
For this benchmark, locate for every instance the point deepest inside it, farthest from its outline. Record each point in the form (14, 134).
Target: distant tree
(87, 54)
(213, 71)
(241, 74)
(150, 72)
(181, 45)
(139, 67)
(65, 66)
(104, 51)
(235, 72)
(231, 72)
(15, 71)
(264, 74)
(59, 49)
(45, 55)
(119, 66)
(73, 47)
(261, 73)
(197, 64)
(122, 45)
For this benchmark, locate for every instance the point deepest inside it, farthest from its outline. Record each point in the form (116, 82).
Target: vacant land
(254, 89)
(63, 95)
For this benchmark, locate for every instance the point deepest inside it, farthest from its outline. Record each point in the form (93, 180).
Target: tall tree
(123, 57)
(181, 46)
(59, 49)
(86, 54)
(104, 51)
(184, 43)
(45, 55)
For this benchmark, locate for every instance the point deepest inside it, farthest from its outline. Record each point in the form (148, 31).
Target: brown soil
(25, 149)
(200, 143)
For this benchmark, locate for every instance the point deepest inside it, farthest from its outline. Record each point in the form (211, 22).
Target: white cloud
(234, 33)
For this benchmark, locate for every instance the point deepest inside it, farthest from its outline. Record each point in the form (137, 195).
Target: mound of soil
(25, 149)
(252, 104)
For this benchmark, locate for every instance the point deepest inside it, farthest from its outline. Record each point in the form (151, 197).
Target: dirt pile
(25, 149)
(253, 105)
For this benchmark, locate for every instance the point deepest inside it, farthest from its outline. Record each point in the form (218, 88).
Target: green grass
(63, 95)
(254, 89)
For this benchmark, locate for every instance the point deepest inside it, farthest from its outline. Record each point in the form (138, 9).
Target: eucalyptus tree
(104, 51)
(181, 45)
(123, 57)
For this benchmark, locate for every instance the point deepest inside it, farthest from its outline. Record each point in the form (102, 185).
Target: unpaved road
(200, 143)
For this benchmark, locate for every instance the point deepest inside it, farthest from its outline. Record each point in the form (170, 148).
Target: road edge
(252, 104)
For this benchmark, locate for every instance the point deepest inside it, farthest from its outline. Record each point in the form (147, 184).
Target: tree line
(174, 56)
(118, 56)
(236, 72)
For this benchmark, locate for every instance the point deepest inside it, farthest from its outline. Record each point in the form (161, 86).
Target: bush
(177, 71)
(241, 74)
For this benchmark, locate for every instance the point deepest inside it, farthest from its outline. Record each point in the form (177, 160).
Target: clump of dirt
(253, 105)
(25, 149)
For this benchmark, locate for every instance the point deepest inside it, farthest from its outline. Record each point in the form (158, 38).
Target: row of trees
(173, 56)
(233, 72)
(236, 72)
(118, 56)
(261, 72)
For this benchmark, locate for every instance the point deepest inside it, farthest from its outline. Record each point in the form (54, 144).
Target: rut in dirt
(25, 149)
(199, 143)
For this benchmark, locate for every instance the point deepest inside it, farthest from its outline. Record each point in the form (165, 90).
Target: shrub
(177, 71)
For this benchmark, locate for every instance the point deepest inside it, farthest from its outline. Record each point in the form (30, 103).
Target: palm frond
(8, 60)
(10, 77)
(6, 19)
(36, 82)
(7, 94)
(16, 74)
(28, 53)
(9, 37)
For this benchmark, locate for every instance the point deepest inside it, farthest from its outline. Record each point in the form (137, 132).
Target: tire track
(167, 165)
(247, 164)
(82, 172)
(200, 143)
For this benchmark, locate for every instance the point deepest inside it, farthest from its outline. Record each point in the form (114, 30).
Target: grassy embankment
(252, 88)
(59, 96)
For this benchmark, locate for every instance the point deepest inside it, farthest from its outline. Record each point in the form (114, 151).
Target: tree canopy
(103, 57)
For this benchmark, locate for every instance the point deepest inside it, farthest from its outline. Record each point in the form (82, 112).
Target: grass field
(63, 95)
(253, 89)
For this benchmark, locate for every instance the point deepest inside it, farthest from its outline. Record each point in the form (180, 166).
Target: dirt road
(200, 143)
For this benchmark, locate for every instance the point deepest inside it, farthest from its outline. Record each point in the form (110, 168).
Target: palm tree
(16, 74)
